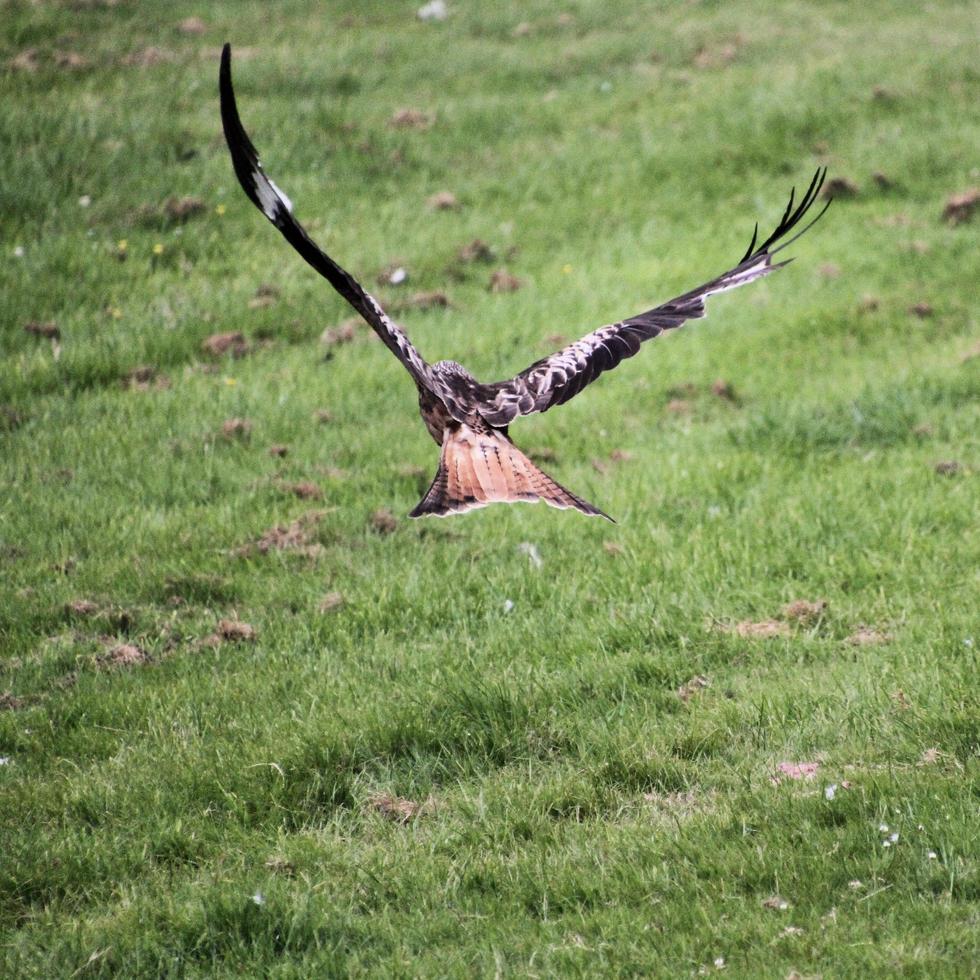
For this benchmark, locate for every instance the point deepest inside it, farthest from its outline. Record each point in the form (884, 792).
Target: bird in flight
(469, 420)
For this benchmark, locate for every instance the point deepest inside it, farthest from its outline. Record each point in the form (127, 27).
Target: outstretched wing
(274, 204)
(555, 379)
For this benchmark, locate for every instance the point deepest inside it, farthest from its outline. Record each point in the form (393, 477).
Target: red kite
(480, 464)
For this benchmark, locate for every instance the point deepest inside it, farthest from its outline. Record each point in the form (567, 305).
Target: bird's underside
(479, 463)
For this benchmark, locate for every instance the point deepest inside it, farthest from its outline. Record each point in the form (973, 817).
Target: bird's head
(453, 369)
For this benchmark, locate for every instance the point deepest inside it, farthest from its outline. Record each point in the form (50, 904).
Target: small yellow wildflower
(566, 269)
(220, 210)
(231, 382)
(158, 249)
(114, 312)
(122, 244)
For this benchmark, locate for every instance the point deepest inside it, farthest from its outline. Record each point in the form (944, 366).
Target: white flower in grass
(508, 605)
(830, 791)
(18, 251)
(719, 962)
(883, 827)
(886, 843)
(436, 10)
(4, 760)
(258, 898)
(894, 838)
(932, 855)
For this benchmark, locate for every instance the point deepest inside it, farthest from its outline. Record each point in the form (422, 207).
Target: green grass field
(432, 754)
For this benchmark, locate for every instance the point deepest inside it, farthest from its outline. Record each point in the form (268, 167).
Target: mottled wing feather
(555, 379)
(274, 204)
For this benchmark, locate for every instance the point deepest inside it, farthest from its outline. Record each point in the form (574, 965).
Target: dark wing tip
(790, 219)
(244, 156)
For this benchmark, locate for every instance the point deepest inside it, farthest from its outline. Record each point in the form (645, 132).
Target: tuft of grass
(594, 767)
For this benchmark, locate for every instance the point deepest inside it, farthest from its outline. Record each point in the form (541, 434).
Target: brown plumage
(469, 420)
(480, 466)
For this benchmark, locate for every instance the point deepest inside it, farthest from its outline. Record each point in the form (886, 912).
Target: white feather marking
(270, 196)
(285, 200)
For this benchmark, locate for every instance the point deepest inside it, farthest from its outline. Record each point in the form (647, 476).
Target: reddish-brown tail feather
(481, 468)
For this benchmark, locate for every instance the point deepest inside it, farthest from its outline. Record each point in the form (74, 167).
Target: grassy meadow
(255, 722)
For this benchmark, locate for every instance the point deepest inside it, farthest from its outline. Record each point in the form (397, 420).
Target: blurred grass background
(429, 755)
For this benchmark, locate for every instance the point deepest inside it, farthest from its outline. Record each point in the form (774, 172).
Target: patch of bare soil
(503, 282)
(236, 429)
(434, 299)
(145, 378)
(280, 866)
(922, 310)
(9, 702)
(81, 607)
(970, 353)
(692, 687)
(278, 451)
(192, 25)
(47, 329)
(868, 636)
(715, 56)
(343, 333)
(443, 201)
(383, 521)
(900, 700)
(265, 295)
(840, 187)
(763, 630)
(476, 251)
(412, 119)
(181, 209)
(397, 808)
(70, 60)
(304, 489)
(235, 631)
(804, 611)
(795, 771)
(122, 655)
(960, 208)
(294, 536)
(331, 602)
(28, 60)
(947, 467)
(219, 344)
(680, 804)
(724, 390)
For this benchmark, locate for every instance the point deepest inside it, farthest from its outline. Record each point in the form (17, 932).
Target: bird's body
(469, 420)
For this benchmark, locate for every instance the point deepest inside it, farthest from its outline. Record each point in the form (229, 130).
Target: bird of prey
(469, 420)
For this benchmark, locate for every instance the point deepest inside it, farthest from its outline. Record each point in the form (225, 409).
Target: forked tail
(481, 468)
